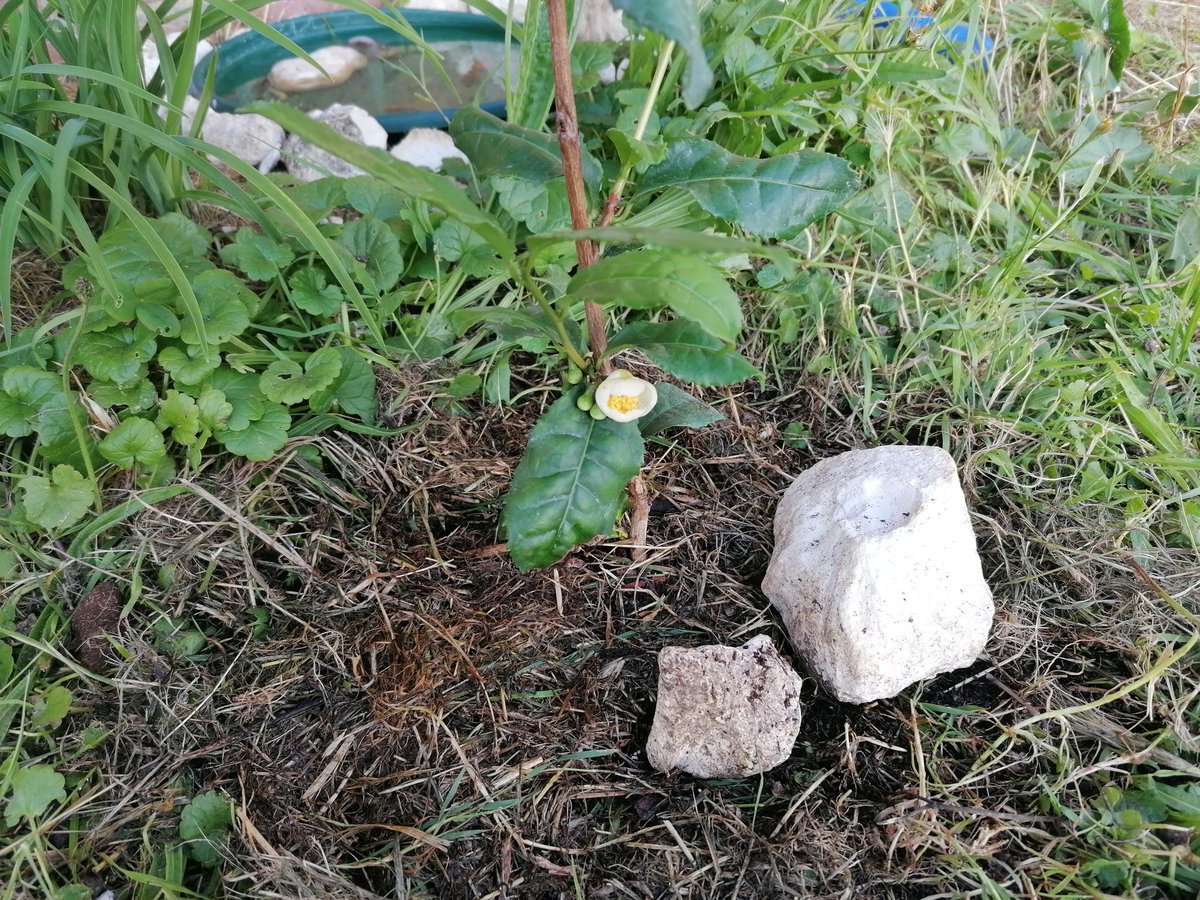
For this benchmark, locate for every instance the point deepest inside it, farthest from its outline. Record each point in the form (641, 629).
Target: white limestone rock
(150, 58)
(253, 138)
(875, 571)
(296, 75)
(308, 163)
(427, 148)
(724, 712)
(599, 21)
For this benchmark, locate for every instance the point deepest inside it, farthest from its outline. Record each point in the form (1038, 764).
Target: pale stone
(598, 21)
(724, 712)
(308, 163)
(252, 138)
(150, 58)
(427, 148)
(295, 75)
(875, 571)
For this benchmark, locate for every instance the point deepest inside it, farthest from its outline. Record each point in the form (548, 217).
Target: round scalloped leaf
(191, 365)
(135, 442)
(24, 392)
(310, 292)
(285, 381)
(260, 439)
(58, 501)
(119, 355)
(224, 307)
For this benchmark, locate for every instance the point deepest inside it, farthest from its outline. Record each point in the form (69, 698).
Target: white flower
(624, 397)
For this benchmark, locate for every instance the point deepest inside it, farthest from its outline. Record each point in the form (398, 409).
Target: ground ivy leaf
(767, 197)
(652, 279)
(285, 381)
(179, 413)
(375, 245)
(158, 319)
(676, 409)
(678, 20)
(203, 824)
(372, 197)
(569, 485)
(225, 305)
(353, 391)
(496, 147)
(51, 707)
(214, 410)
(120, 355)
(540, 206)
(261, 258)
(34, 788)
(135, 442)
(243, 394)
(58, 501)
(262, 438)
(686, 351)
(24, 392)
(310, 292)
(135, 397)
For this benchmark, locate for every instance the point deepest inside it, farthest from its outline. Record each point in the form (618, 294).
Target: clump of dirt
(97, 616)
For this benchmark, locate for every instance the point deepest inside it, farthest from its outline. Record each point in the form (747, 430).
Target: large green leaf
(652, 279)
(568, 487)
(680, 21)
(24, 392)
(203, 825)
(676, 409)
(767, 197)
(370, 241)
(496, 147)
(1116, 29)
(136, 441)
(57, 501)
(529, 104)
(414, 181)
(686, 351)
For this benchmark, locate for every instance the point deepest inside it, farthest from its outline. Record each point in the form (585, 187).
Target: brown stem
(568, 143)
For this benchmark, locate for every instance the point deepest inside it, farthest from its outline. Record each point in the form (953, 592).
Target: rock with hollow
(335, 65)
(875, 571)
(252, 138)
(307, 162)
(427, 148)
(724, 712)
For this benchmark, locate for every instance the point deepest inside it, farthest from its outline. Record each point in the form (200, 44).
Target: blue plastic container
(963, 42)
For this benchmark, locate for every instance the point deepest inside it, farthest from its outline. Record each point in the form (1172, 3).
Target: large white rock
(724, 712)
(427, 148)
(308, 163)
(875, 571)
(295, 75)
(253, 138)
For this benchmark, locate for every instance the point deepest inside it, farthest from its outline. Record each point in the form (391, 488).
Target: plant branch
(567, 345)
(660, 71)
(569, 145)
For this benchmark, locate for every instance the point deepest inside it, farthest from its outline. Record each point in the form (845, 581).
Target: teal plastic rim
(250, 55)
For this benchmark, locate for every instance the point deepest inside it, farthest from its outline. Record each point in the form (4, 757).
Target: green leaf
(34, 788)
(496, 147)
(52, 707)
(262, 437)
(134, 267)
(539, 206)
(318, 198)
(767, 197)
(285, 381)
(243, 394)
(158, 319)
(529, 104)
(224, 307)
(415, 182)
(372, 197)
(309, 291)
(25, 392)
(213, 409)
(203, 825)
(373, 244)
(652, 279)
(190, 366)
(134, 442)
(686, 351)
(181, 415)
(569, 485)
(678, 20)
(354, 390)
(58, 501)
(261, 258)
(676, 409)
(1116, 29)
(120, 355)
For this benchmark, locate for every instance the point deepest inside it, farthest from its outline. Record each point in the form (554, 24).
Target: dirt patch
(97, 616)
(1173, 20)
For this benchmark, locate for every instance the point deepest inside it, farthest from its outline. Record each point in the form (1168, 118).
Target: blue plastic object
(960, 37)
(250, 56)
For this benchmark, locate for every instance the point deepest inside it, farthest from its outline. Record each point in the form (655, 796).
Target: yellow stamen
(622, 403)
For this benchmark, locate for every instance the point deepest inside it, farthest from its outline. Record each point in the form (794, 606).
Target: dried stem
(568, 142)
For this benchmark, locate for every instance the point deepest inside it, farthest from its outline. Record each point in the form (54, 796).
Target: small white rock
(598, 21)
(150, 58)
(296, 75)
(875, 571)
(427, 148)
(724, 712)
(308, 163)
(253, 138)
